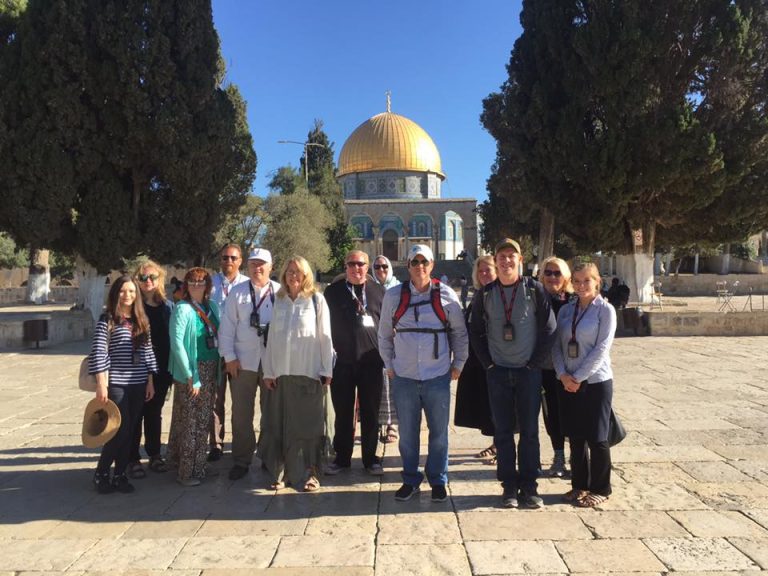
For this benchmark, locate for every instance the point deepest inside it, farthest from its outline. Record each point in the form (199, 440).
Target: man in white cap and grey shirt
(424, 344)
(229, 276)
(243, 337)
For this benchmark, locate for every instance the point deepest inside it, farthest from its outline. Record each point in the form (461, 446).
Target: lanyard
(253, 296)
(575, 321)
(361, 306)
(209, 327)
(508, 310)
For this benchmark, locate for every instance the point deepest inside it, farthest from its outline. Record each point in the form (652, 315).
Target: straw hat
(100, 423)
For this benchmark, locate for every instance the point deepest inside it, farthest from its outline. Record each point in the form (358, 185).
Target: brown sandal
(490, 451)
(277, 485)
(591, 500)
(390, 436)
(312, 484)
(574, 495)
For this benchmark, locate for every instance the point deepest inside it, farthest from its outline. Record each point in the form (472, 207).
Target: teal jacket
(182, 363)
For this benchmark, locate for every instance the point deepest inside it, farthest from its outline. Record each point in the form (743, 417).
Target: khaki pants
(243, 390)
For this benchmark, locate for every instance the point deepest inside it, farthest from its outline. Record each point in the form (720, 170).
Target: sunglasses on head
(381, 267)
(226, 257)
(555, 273)
(419, 262)
(355, 264)
(196, 283)
(145, 277)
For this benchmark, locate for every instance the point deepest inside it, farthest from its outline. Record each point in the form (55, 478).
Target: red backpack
(437, 306)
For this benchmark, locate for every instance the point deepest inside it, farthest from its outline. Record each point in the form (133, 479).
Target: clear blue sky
(295, 61)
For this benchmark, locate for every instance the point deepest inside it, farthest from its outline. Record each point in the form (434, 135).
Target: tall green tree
(608, 115)
(121, 137)
(245, 228)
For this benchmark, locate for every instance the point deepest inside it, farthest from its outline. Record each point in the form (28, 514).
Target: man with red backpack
(424, 344)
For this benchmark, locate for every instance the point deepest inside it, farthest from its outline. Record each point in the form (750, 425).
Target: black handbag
(616, 431)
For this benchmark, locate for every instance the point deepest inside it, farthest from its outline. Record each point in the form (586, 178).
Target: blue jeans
(434, 397)
(515, 396)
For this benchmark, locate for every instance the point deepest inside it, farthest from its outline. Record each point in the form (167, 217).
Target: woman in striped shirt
(121, 347)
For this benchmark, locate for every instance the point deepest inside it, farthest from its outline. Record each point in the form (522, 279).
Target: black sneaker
(238, 472)
(439, 494)
(406, 492)
(121, 484)
(530, 499)
(214, 455)
(509, 500)
(102, 483)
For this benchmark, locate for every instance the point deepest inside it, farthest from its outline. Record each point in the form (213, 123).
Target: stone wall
(707, 323)
(63, 326)
(705, 284)
(60, 294)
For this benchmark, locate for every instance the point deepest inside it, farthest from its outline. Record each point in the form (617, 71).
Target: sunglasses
(380, 267)
(555, 273)
(355, 264)
(419, 262)
(196, 283)
(230, 258)
(145, 277)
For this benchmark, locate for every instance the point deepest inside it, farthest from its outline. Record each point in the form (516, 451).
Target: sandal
(312, 484)
(492, 461)
(490, 451)
(136, 471)
(278, 485)
(591, 500)
(574, 495)
(157, 464)
(391, 436)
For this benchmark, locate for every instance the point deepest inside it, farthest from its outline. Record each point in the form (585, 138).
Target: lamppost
(306, 158)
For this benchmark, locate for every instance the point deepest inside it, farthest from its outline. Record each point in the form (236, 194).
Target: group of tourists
(368, 350)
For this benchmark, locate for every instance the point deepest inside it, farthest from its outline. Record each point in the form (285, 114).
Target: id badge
(509, 333)
(573, 349)
(211, 342)
(367, 321)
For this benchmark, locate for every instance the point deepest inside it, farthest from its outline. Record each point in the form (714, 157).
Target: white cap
(420, 249)
(260, 254)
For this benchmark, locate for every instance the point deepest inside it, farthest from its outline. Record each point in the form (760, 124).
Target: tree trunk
(91, 286)
(546, 236)
(696, 264)
(39, 283)
(635, 268)
(667, 263)
(725, 261)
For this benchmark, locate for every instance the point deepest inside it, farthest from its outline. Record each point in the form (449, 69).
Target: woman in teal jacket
(194, 364)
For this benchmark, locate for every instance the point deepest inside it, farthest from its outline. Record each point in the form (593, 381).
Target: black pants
(367, 379)
(152, 417)
(591, 466)
(129, 400)
(218, 427)
(551, 409)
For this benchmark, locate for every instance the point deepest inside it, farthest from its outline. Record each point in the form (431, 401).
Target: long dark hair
(139, 321)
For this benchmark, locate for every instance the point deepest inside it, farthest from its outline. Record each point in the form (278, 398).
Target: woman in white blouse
(298, 365)
(582, 362)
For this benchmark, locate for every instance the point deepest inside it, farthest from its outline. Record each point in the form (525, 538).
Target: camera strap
(270, 292)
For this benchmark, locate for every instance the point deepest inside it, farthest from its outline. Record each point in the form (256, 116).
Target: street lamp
(306, 158)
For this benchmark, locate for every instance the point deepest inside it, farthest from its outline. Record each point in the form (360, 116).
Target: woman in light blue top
(581, 358)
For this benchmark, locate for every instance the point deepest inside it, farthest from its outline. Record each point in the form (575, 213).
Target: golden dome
(389, 141)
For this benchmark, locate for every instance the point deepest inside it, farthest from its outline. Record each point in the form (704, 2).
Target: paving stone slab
(522, 525)
(30, 529)
(162, 528)
(325, 551)
(340, 526)
(638, 496)
(758, 515)
(663, 454)
(714, 472)
(293, 571)
(155, 554)
(515, 557)
(755, 470)
(650, 473)
(421, 560)
(42, 555)
(613, 555)
(631, 524)
(226, 552)
(755, 548)
(253, 527)
(422, 528)
(733, 452)
(687, 554)
(85, 530)
(713, 524)
(731, 495)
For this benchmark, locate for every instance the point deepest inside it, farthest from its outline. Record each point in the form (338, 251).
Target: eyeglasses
(356, 264)
(555, 273)
(145, 277)
(196, 283)
(381, 267)
(226, 257)
(419, 262)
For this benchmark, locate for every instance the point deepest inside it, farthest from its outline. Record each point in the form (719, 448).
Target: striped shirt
(119, 359)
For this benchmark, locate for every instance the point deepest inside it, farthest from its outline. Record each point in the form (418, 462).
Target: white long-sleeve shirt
(299, 341)
(238, 340)
(221, 287)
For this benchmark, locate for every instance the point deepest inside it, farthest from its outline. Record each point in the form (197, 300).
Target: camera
(256, 322)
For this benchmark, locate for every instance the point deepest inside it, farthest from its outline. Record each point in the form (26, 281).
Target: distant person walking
(122, 347)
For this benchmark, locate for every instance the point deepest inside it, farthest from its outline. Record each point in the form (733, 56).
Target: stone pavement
(690, 490)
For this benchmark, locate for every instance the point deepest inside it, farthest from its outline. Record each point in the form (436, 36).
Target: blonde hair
(487, 259)
(565, 270)
(593, 270)
(307, 287)
(159, 295)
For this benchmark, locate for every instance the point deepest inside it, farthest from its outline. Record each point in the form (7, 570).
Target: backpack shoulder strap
(531, 287)
(437, 303)
(405, 300)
